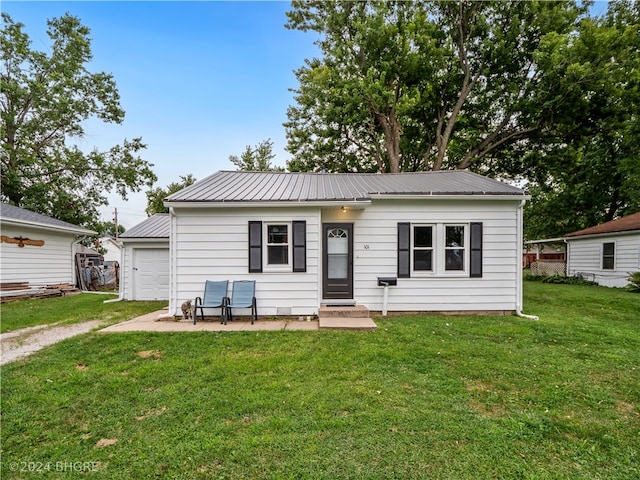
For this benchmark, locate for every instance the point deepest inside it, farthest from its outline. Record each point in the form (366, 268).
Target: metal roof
(13, 214)
(624, 224)
(240, 186)
(156, 226)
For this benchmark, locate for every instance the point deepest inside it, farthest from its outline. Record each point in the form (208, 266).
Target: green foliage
(45, 98)
(156, 196)
(533, 91)
(594, 176)
(421, 85)
(421, 397)
(634, 282)
(256, 159)
(559, 279)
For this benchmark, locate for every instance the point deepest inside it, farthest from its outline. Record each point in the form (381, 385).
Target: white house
(112, 247)
(37, 249)
(451, 239)
(144, 261)
(606, 253)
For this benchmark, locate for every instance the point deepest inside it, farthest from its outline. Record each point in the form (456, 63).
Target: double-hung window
(454, 248)
(423, 248)
(440, 249)
(608, 256)
(277, 244)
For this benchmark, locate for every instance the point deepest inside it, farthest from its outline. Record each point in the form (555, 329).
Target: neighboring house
(112, 247)
(453, 240)
(606, 253)
(144, 263)
(36, 248)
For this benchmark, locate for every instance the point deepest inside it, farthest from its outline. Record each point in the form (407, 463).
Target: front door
(337, 262)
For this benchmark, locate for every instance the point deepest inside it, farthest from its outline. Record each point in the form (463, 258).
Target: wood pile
(11, 291)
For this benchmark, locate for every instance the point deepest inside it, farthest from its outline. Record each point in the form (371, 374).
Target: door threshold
(338, 303)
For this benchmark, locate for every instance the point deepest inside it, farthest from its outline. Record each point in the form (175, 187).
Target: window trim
(413, 249)
(612, 256)
(279, 267)
(439, 249)
(465, 249)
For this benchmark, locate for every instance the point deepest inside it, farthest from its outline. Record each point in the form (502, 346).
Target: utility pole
(115, 220)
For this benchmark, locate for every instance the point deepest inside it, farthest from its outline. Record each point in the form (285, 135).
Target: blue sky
(199, 81)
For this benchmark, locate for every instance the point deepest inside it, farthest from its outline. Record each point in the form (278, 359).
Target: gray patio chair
(243, 295)
(215, 296)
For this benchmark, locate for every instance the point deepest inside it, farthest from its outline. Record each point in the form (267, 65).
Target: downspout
(171, 313)
(519, 221)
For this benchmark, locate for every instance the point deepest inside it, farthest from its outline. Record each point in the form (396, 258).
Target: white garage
(145, 260)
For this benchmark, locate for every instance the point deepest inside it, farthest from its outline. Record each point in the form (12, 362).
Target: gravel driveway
(23, 342)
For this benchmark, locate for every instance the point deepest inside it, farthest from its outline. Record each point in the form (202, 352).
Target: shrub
(559, 279)
(634, 282)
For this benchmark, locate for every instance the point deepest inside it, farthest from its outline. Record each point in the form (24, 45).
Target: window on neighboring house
(278, 244)
(608, 256)
(423, 248)
(454, 249)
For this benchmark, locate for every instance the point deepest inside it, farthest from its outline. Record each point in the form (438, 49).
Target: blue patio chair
(215, 296)
(243, 295)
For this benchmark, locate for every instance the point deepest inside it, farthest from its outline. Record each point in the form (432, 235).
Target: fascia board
(332, 203)
(53, 228)
(602, 235)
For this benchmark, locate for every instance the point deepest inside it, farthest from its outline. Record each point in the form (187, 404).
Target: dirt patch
(20, 343)
(149, 353)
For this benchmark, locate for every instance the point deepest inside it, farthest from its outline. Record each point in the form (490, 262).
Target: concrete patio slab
(152, 322)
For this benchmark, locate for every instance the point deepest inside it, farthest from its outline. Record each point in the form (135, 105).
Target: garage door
(151, 274)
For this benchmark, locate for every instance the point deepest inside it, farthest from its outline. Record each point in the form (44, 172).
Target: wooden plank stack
(11, 291)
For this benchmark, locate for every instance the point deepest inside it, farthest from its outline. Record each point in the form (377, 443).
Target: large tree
(45, 99)
(593, 176)
(420, 85)
(256, 159)
(156, 196)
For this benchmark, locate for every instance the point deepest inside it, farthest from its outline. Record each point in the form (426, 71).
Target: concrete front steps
(354, 317)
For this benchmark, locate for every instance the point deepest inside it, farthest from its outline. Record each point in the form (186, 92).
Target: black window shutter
(299, 245)
(404, 250)
(476, 250)
(255, 247)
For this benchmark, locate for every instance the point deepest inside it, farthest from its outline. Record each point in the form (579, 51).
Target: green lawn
(420, 397)
(71, 309)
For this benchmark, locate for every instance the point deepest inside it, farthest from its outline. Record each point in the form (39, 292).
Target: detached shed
(606, 253)
(37, 249)
(144, 265)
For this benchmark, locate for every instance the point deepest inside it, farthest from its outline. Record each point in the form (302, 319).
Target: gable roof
(240, 186)
(21, 216)
(624, 224)
(156, 226)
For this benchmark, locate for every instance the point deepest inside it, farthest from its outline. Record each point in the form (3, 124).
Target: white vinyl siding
(585, 258)
(212, 244)
(375, 254)
(46, 265)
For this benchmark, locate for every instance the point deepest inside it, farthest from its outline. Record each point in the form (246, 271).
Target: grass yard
(421, 397)
(70, 309)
